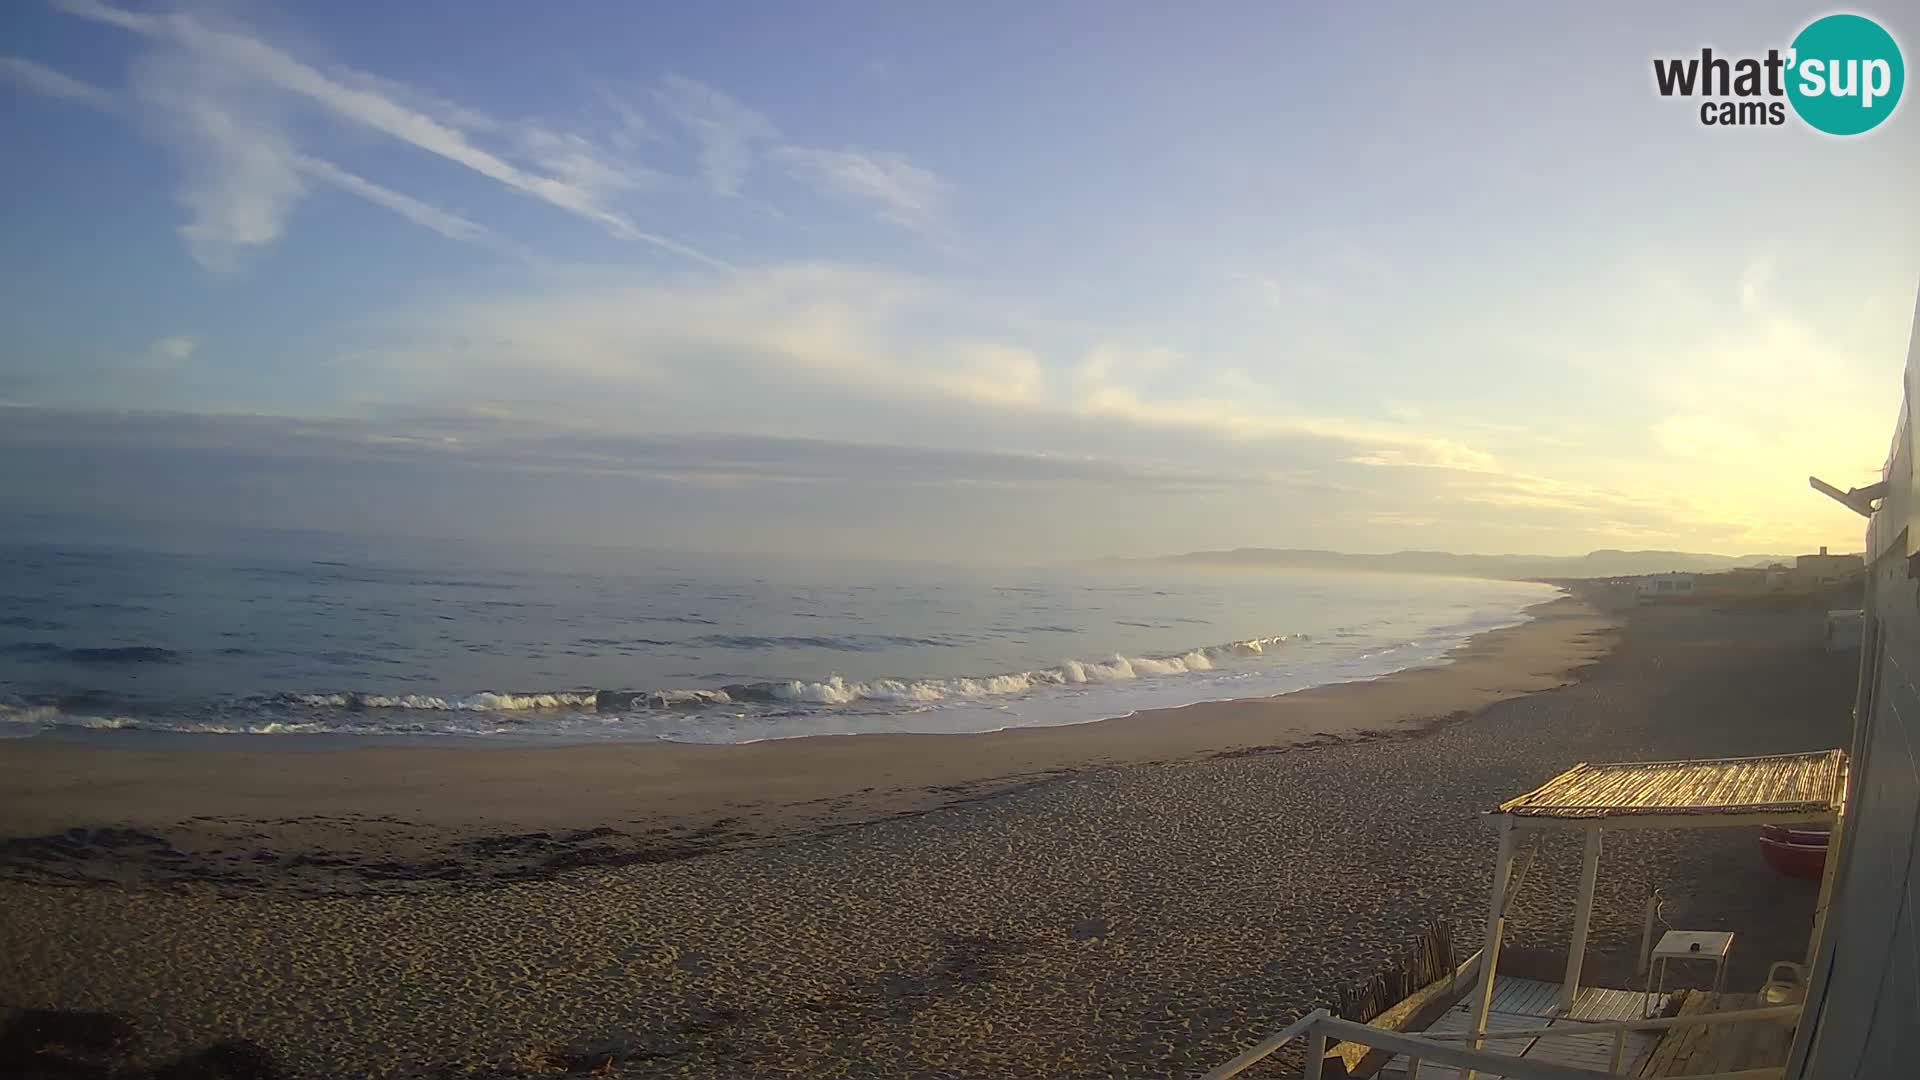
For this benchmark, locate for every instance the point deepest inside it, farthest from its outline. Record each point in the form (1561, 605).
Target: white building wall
(1863, 1005)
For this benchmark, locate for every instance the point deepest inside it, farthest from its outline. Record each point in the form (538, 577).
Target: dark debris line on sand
(118, 856)
(1144, 921)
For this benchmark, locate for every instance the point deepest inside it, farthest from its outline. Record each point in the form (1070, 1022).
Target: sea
(273, 634)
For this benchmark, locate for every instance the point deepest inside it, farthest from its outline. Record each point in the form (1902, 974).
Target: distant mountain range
(1594, 564)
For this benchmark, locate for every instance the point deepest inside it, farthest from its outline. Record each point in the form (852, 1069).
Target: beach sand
(1136, 897)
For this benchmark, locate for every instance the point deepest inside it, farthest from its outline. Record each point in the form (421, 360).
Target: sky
(988, 281)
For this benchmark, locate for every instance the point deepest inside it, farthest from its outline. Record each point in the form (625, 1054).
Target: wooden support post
(1316, 1052)
(1582, 918)
(1835, 837)
(1643, 963)
(1496, 923)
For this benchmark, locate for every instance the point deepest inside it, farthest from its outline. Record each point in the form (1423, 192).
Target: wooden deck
(1524, 1004)
(1699, 1050)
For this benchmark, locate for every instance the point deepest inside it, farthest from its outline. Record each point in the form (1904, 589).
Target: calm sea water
(282, 633)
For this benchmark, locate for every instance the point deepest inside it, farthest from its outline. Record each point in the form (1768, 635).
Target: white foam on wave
(28, 714)
(491, 702)
(838, 691)
(1117, 668)
(670, 698)
(28, 719)
(485, 701)
(835, 689)
(277, 727)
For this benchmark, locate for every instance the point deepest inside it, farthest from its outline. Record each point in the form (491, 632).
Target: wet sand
(1144, 904)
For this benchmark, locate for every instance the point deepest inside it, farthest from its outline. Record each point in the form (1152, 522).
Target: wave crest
(485, 701)
(834, 690)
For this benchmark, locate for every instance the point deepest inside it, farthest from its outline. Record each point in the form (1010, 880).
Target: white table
(1711, 945)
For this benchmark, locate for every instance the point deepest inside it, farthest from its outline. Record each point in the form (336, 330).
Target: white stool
(1688, 945)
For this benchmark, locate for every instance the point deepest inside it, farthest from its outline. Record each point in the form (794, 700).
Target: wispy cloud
(1106, 364)
(828, 375)
(581, 163)
(853, 342)
(168, 353)
(241, 174)
(244, 176)
(364, 101)
(728, 132)
(41, 79)
(425, 215)
(239, 110)
(818, 350)
(356, 98)
(898, 191)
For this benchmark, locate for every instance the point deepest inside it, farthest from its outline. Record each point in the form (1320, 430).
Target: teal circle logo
(1845, 74)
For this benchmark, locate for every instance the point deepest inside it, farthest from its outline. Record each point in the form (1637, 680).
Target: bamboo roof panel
(1809, 783)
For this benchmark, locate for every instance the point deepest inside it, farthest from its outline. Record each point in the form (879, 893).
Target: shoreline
(358, 813)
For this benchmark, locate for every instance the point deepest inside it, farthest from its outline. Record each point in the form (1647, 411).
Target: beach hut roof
(1707, 792)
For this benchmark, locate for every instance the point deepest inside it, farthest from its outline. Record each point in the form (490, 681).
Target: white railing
(1316, 1046)
(1319, 1026)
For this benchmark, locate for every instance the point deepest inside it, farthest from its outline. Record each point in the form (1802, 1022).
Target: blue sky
(984, 280)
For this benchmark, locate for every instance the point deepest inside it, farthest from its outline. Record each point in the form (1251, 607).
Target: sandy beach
(1135, 897)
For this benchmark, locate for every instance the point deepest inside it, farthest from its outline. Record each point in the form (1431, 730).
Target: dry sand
(1142, 897)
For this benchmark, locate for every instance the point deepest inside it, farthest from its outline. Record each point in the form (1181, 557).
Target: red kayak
(1800, 853)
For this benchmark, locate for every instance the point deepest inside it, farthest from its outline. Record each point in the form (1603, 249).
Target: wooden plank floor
(1699, 1050)
(1521, 1004)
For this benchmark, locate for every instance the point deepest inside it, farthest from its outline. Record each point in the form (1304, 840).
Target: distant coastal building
(1808, 573)
(1616, 595)
(1824, 569)
(1663, 585)
(1745, 579)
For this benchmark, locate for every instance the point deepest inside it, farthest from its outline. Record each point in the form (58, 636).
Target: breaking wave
(481, 702)
(831, 691)
(494, 711)
(25, 719)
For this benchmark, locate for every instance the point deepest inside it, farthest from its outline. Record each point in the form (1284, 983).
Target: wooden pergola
(1783, 789)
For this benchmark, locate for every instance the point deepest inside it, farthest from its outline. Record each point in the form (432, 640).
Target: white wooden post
(1316, 1052)
(1582, 917)
(1259, 1051)
(1835, 837)
(1490, 953)
(1642, 964)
